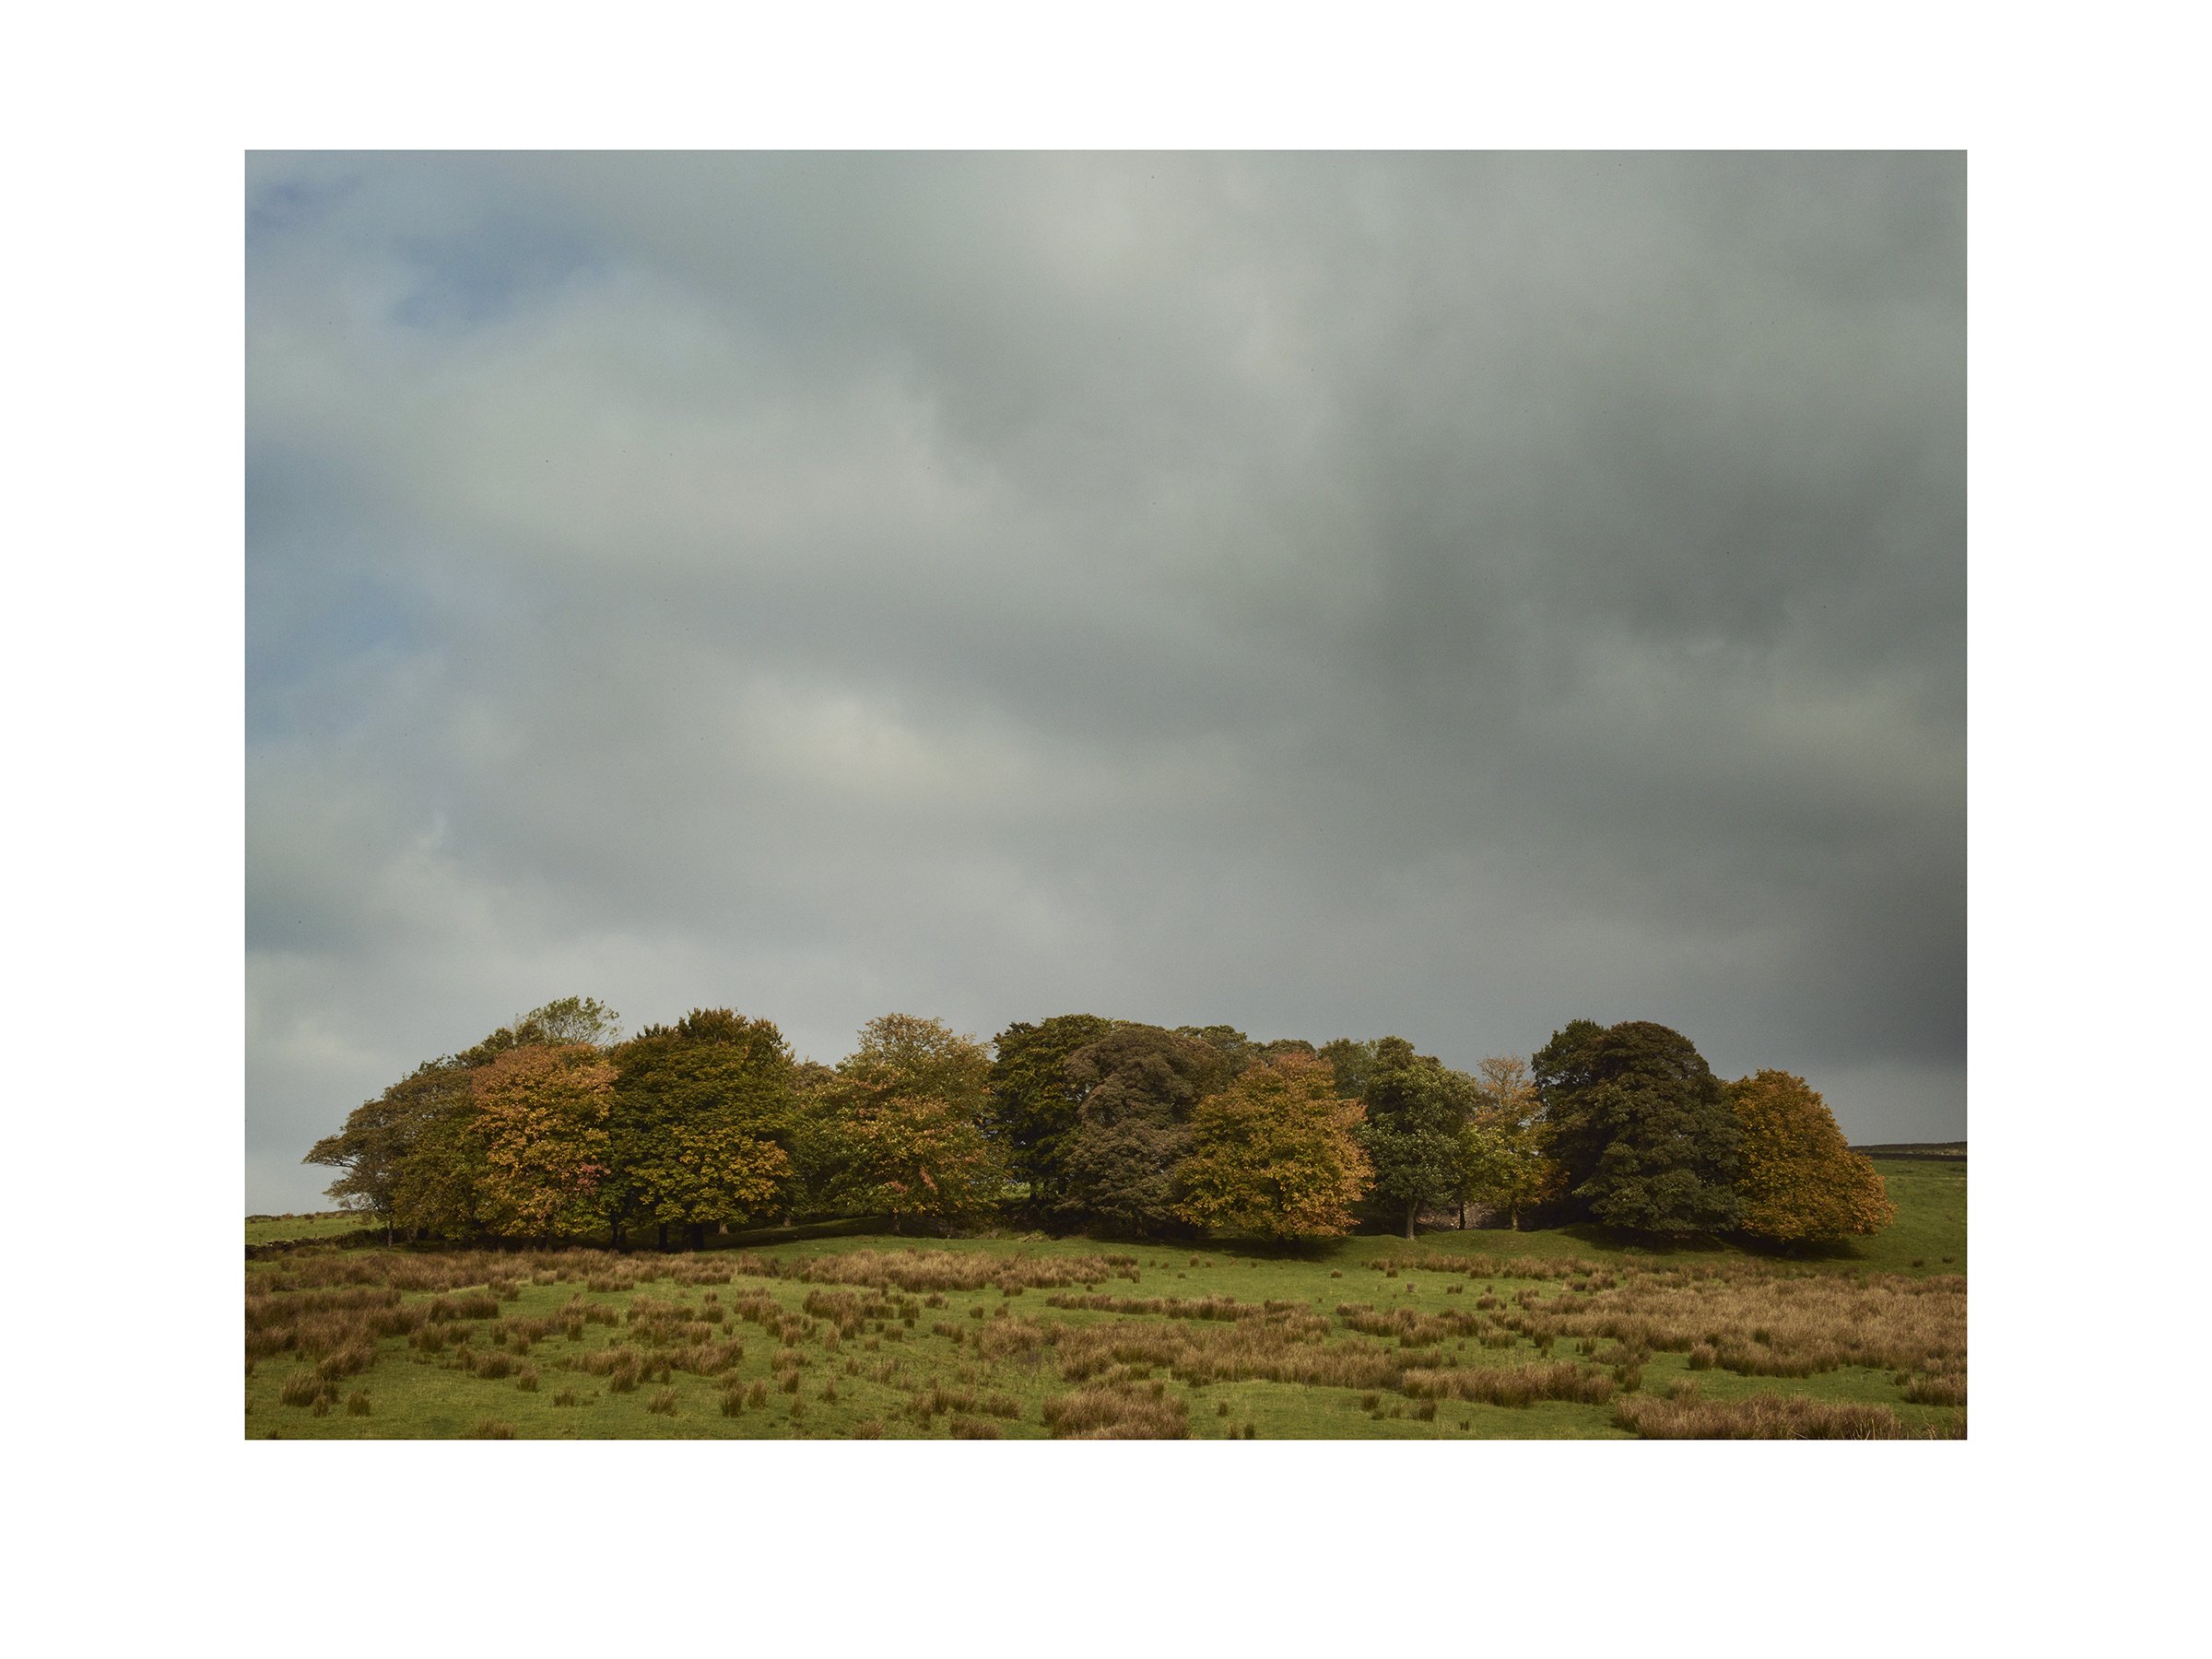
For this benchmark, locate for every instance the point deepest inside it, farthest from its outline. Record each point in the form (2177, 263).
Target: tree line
(557, 1126)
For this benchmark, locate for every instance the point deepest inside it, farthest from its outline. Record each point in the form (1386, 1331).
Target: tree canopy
(1416, 1109)
(1034, 1107)
(907, 1107)
(552, 1126)
(1275, 1154)
(1505, 1161)
(1136, 1086)
(415, 1155)
(541, 1113)
(1801, 1182)
(704, 1113)
(1640, 1126)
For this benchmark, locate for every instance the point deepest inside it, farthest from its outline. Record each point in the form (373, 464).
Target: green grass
(1929, 1234)
(330, 1224)
(416, 1394)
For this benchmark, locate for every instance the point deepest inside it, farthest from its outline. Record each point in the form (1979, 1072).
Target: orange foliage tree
(1800, 1180)
(1274, 1154)
(541, 1117)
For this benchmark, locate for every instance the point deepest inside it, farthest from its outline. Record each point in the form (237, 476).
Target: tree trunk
(1463, 1217)
(664, 1238)
(1409, 1210)
(698, 1235)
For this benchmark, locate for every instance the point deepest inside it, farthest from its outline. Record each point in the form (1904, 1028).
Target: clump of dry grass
(448, 1310)
(867, 1428)
(1117, 1411)
(1943, 1389)
(1759, 1319)
(1169, 1307)
(941, 1270)
(492, 1428)
(974, 1429)
(663, 1401)
(1514, 1385)
(357, 1404)
(1765, 1417)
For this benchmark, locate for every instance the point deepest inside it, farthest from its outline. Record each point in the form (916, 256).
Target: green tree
(1275, 1153)
(1353, 1062)
(704, 1111)
(1235, 1049)
(1034, 1109)
(907, 1109)
(570, 1020)
(1801, 1182)
(1416, 1108)
(1136, 1086)
(1640, 1127)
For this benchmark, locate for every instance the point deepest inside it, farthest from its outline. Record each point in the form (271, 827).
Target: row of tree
(555, 1126)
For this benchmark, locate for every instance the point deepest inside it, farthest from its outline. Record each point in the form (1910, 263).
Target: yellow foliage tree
(1272, 1154)
(1800, 1180)
(1502, 1158)
(906, 1116)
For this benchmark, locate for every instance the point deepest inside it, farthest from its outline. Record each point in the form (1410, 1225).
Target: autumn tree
(1136, 1086)
(1503, 1164)
(1640, 1127)
(1034, 1107)
(1275, 1153)
(1801, 1182)
(907, 1108)
(541, 1113)
(413, 1154)
(703, 1115)
(1416, 1109)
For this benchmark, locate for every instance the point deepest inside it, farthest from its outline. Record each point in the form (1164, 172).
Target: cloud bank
(1335, 595)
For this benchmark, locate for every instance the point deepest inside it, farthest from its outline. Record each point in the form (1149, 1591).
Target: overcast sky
(1334, 595)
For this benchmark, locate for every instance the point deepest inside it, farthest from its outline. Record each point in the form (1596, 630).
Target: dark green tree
(1416, 1107)
(1136, 1086)
(1034, 1107)
(1640, 1127)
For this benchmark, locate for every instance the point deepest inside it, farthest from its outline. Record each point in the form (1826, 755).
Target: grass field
(1474, 1334)
(330, 1224)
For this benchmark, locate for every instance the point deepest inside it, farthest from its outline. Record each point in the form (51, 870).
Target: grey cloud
(1445, 595)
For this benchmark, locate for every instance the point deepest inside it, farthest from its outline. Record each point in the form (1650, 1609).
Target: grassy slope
(277, 1229)
(413, 1395)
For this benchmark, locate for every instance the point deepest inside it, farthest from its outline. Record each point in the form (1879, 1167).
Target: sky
(1443, 595)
